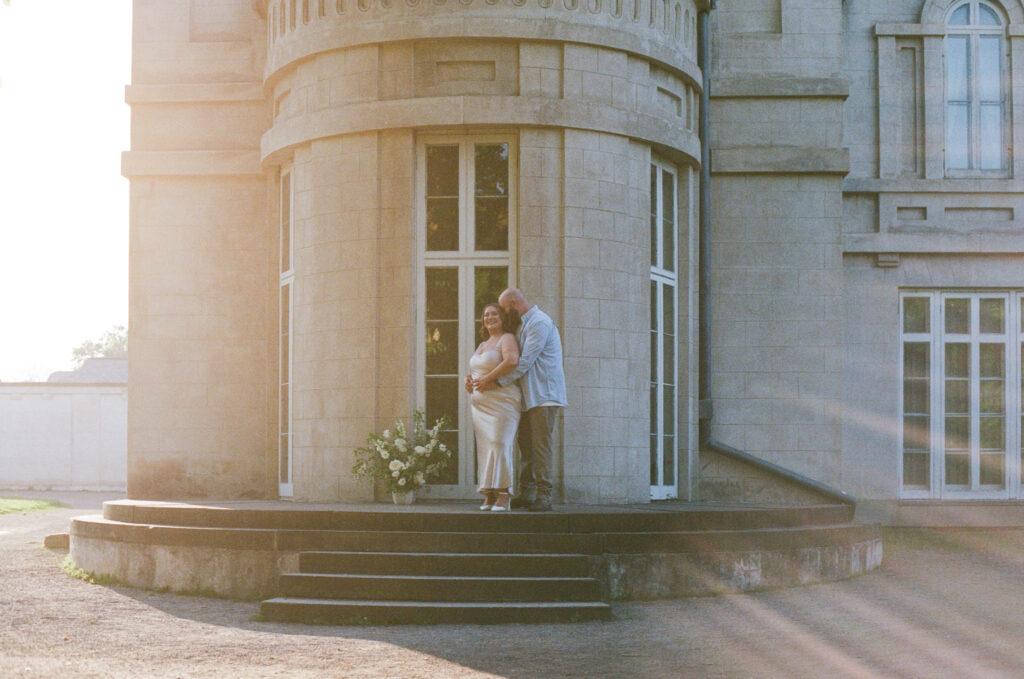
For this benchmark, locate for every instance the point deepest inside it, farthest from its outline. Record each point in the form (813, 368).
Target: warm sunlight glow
(63, 202)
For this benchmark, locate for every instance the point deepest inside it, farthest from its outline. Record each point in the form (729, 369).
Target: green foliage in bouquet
(406, 460)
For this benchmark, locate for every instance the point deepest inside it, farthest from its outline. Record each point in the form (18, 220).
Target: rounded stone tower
(432, 152)
(325, 194)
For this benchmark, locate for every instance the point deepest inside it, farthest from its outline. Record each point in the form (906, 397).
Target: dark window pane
(442, 347)
(992, 360)
(491, 162)
(654, 357)
(916, 361)
(992, 470)
(654, 216)
(916, 312)
(915, 396)
(668, 309)
(958, 396)
(286, 222)
(491, 224)
(654, 460)
(668, 472)
(488, 283)
(916, 432)
(668, 233)
(668, 426)
(958, 470)
(654, 409)
(443, 171)
(654, 305)
(450, 475)
(282, 456)
(958, 359)
(491, 196)
(915, 469)
(958, 432)
(993, 431)
(993, 313)
(668, 375)
(993, 396)
(442, 294)
(442, 224)
(958, 315)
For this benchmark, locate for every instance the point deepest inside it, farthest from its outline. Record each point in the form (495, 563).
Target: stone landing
(450, 562)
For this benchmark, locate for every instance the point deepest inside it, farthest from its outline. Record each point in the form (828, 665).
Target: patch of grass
(72, 569)
(13, 505)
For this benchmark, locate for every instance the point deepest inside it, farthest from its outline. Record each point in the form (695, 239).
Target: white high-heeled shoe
(504, 506)
(489, 500)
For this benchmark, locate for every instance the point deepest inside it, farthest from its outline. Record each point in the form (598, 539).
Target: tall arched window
(975, 89)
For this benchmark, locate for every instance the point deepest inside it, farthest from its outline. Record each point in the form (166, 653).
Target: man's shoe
(520, 502)
(540, 505)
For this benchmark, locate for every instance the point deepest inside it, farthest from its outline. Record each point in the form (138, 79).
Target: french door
(664, 395)
(962, 361)
(466, 243)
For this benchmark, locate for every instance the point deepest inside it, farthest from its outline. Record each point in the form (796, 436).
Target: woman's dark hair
(509, 319)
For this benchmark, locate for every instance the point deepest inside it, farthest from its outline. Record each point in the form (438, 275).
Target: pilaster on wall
(203, 256)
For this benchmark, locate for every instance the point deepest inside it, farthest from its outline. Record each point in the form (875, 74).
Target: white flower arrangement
(405, 460)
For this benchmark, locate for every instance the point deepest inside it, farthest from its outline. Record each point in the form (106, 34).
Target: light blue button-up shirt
(539, 372)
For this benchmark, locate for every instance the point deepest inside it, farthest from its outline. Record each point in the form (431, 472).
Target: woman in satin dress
(495, 409)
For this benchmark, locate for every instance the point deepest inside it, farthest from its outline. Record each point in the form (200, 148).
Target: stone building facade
(325, 192)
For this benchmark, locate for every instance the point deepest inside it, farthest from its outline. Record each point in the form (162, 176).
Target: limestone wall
(203, 312)
(777, 161)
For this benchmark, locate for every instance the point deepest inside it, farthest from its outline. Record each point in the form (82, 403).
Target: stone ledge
(513, 111)
(915, 185)
(933, 243)
(779, 87)
(780, 160)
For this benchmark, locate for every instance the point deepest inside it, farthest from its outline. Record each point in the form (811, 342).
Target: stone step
(433, 588)
(341, 612)
(464, 517)
(439, 542)
(560, 543)
(404, 563)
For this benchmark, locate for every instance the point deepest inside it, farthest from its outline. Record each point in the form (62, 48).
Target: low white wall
(63, 436)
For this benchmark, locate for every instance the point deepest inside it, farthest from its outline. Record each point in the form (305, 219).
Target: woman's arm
(509, 360)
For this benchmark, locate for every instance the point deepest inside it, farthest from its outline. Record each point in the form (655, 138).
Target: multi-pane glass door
(284, 393)
(663, 336)
(961, 372)
(467, 236)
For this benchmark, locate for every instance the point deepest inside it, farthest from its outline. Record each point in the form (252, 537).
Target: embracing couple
(516, 384)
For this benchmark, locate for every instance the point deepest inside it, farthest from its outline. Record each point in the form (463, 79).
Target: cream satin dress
(495, 414)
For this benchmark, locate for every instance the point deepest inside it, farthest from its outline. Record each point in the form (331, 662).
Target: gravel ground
(941, 607)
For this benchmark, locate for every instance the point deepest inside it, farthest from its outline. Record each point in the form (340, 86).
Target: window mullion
(938, 437)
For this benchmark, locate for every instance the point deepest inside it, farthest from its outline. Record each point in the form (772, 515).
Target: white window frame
(973, 32)
(286, 487)
(465, 260)
(1012, 338)
(661, 277)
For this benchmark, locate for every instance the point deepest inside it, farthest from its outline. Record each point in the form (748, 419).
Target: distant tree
(111, 344)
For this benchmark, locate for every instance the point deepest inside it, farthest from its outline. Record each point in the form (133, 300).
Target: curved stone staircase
(447, 562)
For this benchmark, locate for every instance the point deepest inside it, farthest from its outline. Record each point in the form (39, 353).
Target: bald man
(542, 382)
